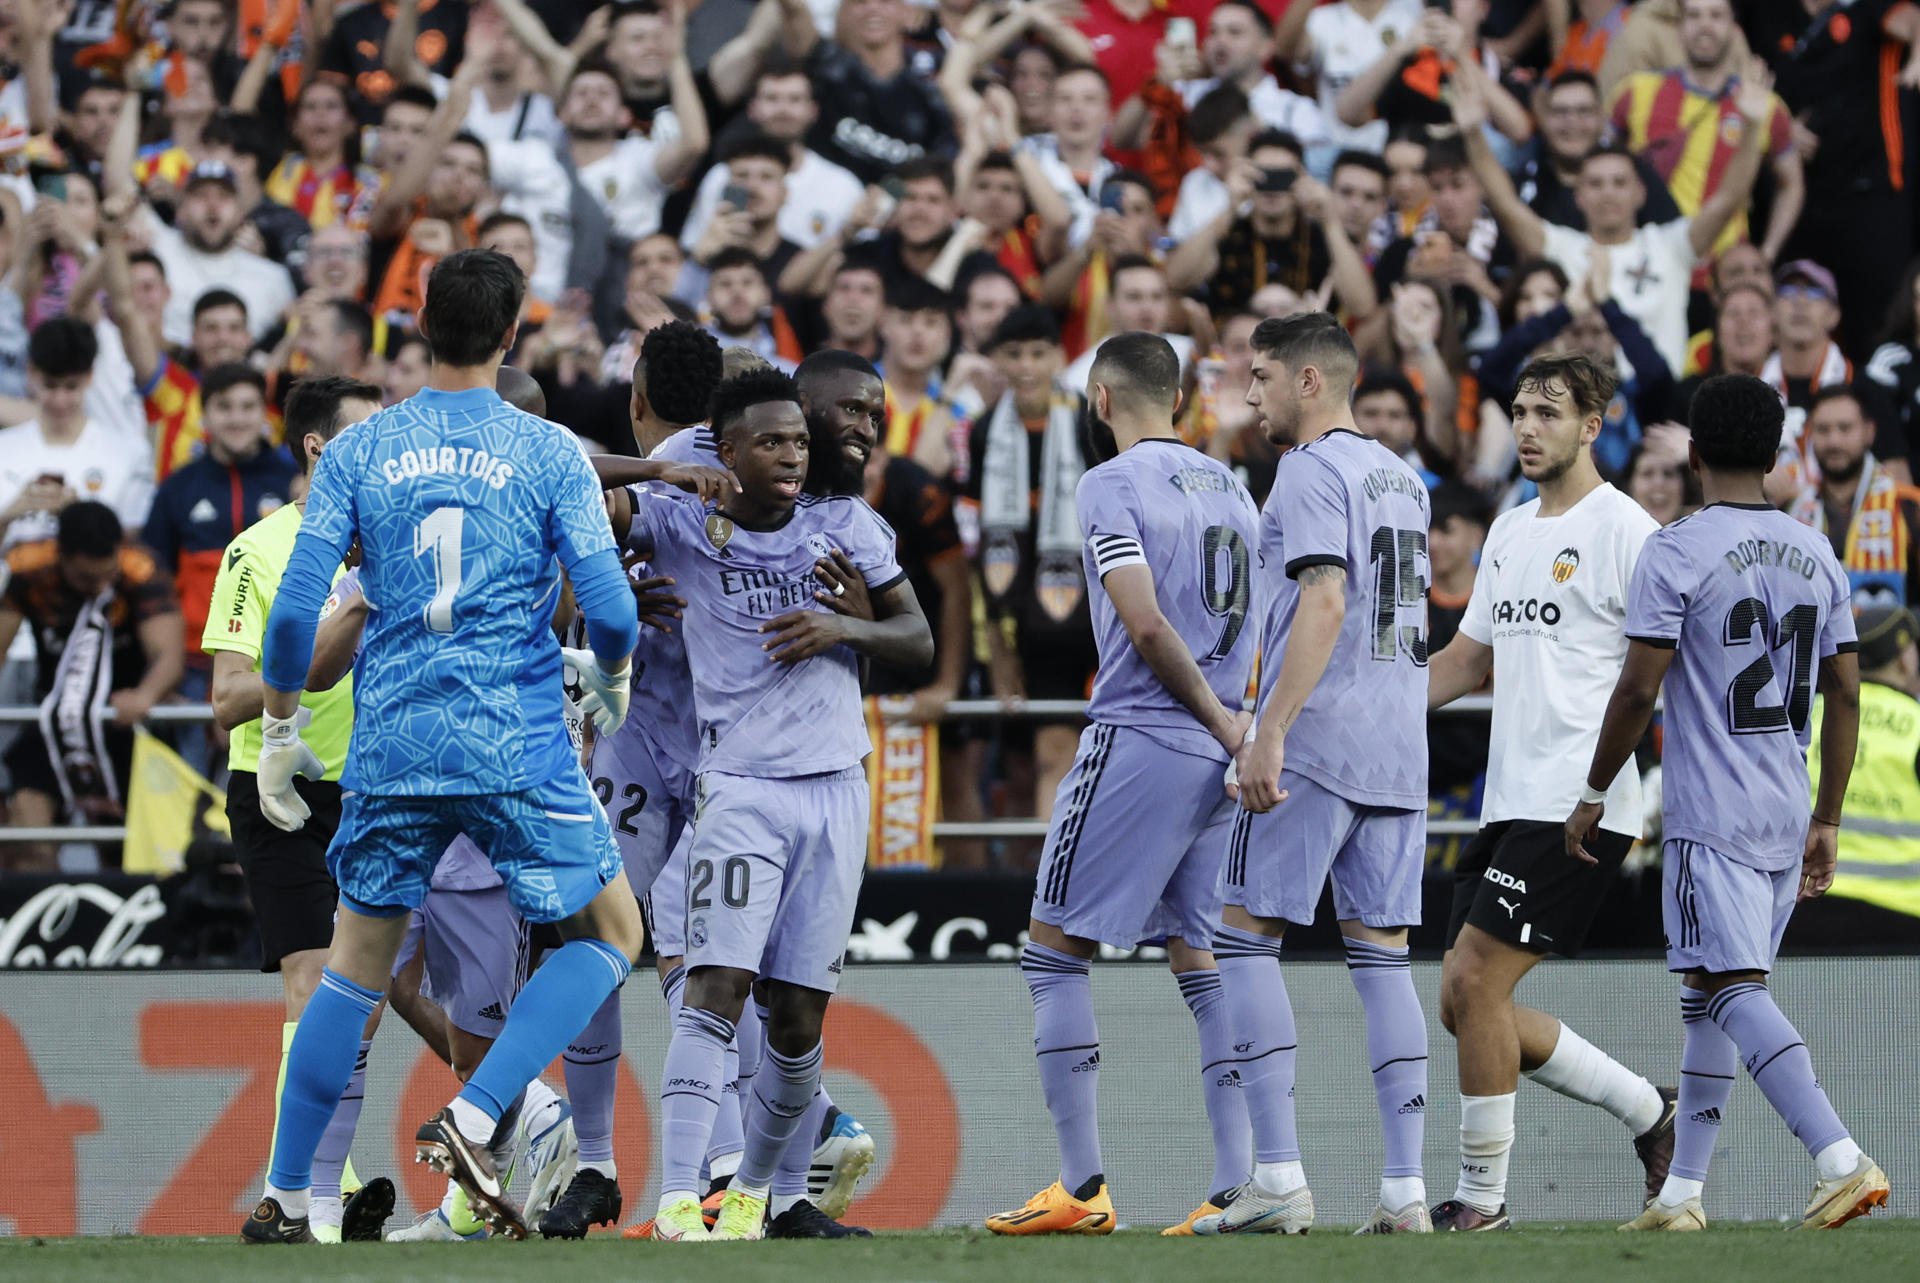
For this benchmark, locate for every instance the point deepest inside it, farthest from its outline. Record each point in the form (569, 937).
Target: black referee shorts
(1516, 882)
(293, 894)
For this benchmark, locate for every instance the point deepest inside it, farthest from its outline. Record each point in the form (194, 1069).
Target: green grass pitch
(1559, 1253)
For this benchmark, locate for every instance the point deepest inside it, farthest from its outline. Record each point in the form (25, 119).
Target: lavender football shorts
(666, 901)
(1138, 835)
(1278, 862)
(648, 798)
(473, 951)
(774, 873)
(1721, 915)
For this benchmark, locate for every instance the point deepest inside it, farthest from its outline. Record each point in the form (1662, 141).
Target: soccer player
(1733, 609)
(779, 849)
(288, 883)
(1342, 740)
(1548, 610)
(1140, 825)
(461, 731)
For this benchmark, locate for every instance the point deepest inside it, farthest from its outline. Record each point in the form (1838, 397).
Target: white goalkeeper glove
(604, 695)
(283, 755)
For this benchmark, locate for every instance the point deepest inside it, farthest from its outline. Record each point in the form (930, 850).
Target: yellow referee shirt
(243, 592)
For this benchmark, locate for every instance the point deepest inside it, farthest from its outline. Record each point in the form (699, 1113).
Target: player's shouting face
(766, 448)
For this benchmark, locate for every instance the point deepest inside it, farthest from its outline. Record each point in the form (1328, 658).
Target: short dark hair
(1140, 364)
(1588, 383)
(1612, 149)
(245, 135)
(760, 145)
(1311, 338)
(924, 167)
(1131, 263)
(313, 409)
(467, 138)
(1279, 138)
(217, 298)
(1452, 499)
(964, 291)
(1260, 18)
(62, 347)
(1575, 76)
(1367, 160)
(147, 258)
(1377, 380)
(1027, 323)
(735, 256)
(733, 397)
(89, 529)
(399, 340)
(594, 64)
(413, 96)
(1219, 110)
(831, 360)
(917, 294)
(497, 219)
(1445, 156)
(1837, 392)
(681, 366)
(473, 299)
(354, 319)
(1736, 421)
(223, 378)
(1066, 68)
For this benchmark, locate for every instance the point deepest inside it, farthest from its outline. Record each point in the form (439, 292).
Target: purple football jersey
(662, 686)
(1751, 601)
(757, 717)
(1185, 517)
(1346, 501)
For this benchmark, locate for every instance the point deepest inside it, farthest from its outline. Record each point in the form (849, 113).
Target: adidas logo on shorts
(492, 1012)
(1710, 1116)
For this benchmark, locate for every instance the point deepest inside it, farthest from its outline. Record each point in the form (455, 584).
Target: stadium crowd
(204, 201)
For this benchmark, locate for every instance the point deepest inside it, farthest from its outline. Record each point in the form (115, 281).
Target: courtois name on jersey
(1164, 505)
(757, 717)
(662, 685)
(1343, 500)
(461, 505)
(1751, 601)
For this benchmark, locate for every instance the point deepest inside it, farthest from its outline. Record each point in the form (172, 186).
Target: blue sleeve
(606, 604)
(1650, 369)
(326, 532)
(1501, 365)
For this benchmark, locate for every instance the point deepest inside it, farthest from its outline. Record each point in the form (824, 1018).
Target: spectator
(98, 105)
(1025, 458)
(739, 310)
(1073, 155)
(1041, 44)
(335, 264)
(60, 455)
(1742, 339)
(921, 239)
(1836, 76)
(1288, 236)
(1337, 42)
(407, 368)
(1685, 123)
(876, 112)
(1659, 479)
(427, 211)
(917, 330)
(1233, 432)
(850, 312)
(161, 166)
(1870, 517)
(1140, 300)
(1651, 266)
(1222, 126)
(1125, 33)
(1572, 124)
(319, 181)
(1650, 41)
(329, 336)
(1238, 49)
(1806, 322)
(660, 264)
(1387, 408)
(353, 47)
(1009, 207)
(203, 253)
(973, 380)
(1894, 367)
(748, 215)
(1739, 264)
(202, 32)
(1456, 242)
(820, 194)
(1410, 81)
(107, 628)
(1418, 337)
(244, 146)
(1456, 742)
(629, 176)
(200, 509)
(503, 110)
(1359, 187)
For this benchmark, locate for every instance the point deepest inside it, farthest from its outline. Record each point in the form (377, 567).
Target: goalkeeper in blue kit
(465, 510)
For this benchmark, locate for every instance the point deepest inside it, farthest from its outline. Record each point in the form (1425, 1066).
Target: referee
(292, 892)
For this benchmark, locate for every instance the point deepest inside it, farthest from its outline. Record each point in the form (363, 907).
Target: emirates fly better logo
(1564, 564)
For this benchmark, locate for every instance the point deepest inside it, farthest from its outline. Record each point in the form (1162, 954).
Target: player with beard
(777, 697)
(1548, 609)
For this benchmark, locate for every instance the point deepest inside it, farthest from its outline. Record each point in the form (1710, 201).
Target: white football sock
(1397, 1192)
(293, 1202)
(724, 1166)
(473, 1122)
(781, 1203)
(1837, 1160)
(603, 1166)
(1678, 1189)
(325, 1211)
(1581, 1071)
(1280, 1178)
(1486, 1143)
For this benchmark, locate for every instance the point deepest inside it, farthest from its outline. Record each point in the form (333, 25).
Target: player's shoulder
(1615, 509)
(688, 445)
(839, 511)
(1509, 523)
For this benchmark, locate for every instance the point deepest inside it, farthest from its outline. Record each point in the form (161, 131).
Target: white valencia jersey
(1340, 44)
(1551, 600)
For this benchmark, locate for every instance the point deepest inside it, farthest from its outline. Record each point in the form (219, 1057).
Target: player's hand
(714, 485)
(283, 755)
(657, 606)
(1256, 767)
(605, 694)
(1235, 733)
(802, 634)
(1581, 825)
(1817, 865)
(846, 588)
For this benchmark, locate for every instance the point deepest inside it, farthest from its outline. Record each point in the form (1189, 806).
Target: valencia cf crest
(1565, 564)
(719, 531)
(999, 564)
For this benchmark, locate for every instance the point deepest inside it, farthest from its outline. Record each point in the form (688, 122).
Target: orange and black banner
(903, 776)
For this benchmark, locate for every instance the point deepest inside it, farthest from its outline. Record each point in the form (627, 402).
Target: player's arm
(1130, 588)
(336, 642)
(1839, 737)
(1460, 668)
(1255, 777)
(714, 485)
(1628, 713)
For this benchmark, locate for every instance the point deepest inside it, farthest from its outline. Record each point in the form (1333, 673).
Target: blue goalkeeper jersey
(465, 509)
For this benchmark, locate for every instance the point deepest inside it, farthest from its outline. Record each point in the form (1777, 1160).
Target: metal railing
(960, 710)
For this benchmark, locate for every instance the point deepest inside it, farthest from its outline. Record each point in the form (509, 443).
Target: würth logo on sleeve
(1564, 564)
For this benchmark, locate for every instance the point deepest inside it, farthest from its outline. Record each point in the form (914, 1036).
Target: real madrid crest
(719, 530)
(1564, 564)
